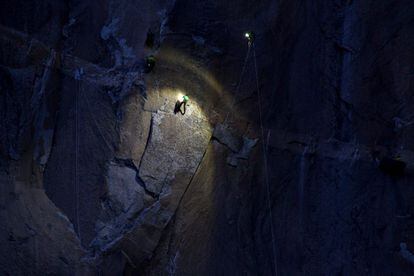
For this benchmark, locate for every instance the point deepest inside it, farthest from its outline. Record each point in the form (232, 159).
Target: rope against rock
(265, 160)
(239, 83)
(76, 159)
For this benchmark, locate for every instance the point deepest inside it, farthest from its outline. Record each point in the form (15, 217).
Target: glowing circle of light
(180, 95)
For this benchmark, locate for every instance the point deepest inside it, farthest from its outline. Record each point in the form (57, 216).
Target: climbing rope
(252, 45)
(265, 159)
(96, 122)
(76, 158)
(78, 77)
(239, 82)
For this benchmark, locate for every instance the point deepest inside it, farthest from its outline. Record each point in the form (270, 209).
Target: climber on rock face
(149, 63)
(179, 104)
(250, 37)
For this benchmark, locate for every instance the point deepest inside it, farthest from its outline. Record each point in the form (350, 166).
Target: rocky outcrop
(99, 176)
(123, 202)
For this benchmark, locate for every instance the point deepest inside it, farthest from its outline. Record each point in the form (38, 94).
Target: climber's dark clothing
(178, 105)
(149, 64)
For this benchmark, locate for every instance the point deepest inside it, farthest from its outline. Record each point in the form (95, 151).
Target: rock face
(162, 161)
(134, 130)
(272, 170)
(123, 189)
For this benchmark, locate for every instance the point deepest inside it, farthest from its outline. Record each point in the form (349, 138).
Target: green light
(249, 36)
(186, 98)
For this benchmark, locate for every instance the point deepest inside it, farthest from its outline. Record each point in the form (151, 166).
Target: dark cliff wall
(279, 176)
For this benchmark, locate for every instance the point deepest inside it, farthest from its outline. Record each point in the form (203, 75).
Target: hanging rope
(265, 160)
(239, 82)
(76, 157)
(96, 122)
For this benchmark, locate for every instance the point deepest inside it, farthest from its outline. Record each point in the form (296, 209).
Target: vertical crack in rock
(188, 137)
(148, 140)
(130, 164)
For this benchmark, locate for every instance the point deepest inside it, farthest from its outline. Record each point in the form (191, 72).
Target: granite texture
(272, 170)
